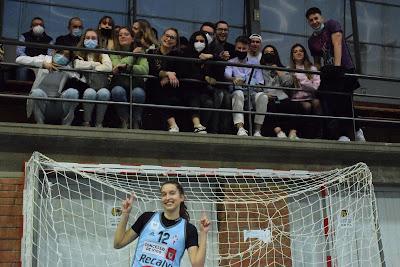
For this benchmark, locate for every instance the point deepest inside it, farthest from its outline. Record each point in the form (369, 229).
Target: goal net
(258, 217)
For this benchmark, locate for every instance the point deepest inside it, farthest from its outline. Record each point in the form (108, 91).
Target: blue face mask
(77, 32)
(60, 59)
(89, 43)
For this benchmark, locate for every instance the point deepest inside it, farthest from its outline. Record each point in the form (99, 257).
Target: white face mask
(199, 46)
(209, 38)
(38, 30)
(319, 29)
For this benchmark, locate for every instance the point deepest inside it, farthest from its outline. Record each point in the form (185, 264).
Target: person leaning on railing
(50, 82)
(279, 101)
(199, 94)
(308, 100)
(120, 85)
(240, 77)
(328, 43)
(166, 90)
(96, 82)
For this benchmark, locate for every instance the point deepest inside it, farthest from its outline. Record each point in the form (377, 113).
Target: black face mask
(270, 59)
(106, 32)
(241, 55)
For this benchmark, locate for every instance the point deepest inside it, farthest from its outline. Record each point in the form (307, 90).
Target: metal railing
(131, 104)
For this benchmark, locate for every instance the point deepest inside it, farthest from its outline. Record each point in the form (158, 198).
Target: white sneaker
(293, 135)
(257, 134)
(242, 132)
(344, 139)
(124, 124)
(174, 129)
(360, 136)
(281, 134)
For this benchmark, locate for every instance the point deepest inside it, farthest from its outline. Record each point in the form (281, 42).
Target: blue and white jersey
(160, 246)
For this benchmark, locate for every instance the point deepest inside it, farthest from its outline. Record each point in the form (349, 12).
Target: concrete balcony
(109, 145)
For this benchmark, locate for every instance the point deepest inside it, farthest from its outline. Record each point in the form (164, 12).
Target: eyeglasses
(222, 30)
(172, 37)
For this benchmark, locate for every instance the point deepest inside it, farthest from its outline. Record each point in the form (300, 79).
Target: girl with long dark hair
(169, 231)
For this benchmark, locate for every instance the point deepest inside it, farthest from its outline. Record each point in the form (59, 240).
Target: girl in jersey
(164, 236)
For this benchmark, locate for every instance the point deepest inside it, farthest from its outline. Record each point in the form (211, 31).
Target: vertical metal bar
(249, 101)
(252, 13)
(353, 114)
(1, 17)
(130, 100)
(356, 40)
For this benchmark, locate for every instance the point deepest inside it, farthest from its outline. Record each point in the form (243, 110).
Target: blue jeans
(54, 110)
(101, 95)
(119, 94)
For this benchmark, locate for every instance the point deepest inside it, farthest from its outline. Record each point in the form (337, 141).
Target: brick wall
(10, 221)
(239, 215)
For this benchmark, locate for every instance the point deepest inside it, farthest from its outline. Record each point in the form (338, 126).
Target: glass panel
(18, 16)
(195, 12)
(12, 13)
(109, 6)
(206, 10)
(288, 16)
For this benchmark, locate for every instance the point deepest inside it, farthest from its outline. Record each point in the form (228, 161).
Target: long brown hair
(306, 60)
(145, 32)
(117, 45)
(84, 54)
(182, 209)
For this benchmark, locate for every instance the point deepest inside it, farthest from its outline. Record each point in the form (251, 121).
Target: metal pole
(130, 101)
(356, 40)
(248, 101)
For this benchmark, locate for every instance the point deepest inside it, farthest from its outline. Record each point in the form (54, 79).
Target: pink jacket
(307, 84)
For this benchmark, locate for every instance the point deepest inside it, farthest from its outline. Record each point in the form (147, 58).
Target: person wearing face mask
(279, 101)
(241, 76)
(106, 32)
(220, 122)
(75, 27)
(50, 82)
(36, 34)
(96, 82)
(327, 44)
(197, 94)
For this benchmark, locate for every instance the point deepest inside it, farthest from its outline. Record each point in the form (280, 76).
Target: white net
(259, 217)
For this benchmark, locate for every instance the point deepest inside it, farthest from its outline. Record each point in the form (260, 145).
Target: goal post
(258, 217)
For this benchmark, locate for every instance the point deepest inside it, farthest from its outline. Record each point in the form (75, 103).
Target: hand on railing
(51, 66)
(224, 55)
(119, 68)
(238, 81)
(172, 79)
(203, 56)
(138, 50)
(210, 80)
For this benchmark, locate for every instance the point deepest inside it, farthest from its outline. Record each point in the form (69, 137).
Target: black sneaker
(200, 130)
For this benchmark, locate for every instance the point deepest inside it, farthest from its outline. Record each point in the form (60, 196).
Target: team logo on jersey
(174, 239)
(154, 226)
(171, 253)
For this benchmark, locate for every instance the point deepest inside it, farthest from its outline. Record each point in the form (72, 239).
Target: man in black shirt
(75, 27)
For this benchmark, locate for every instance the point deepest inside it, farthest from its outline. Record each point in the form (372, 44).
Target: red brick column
(237, 216)
(10, 221)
